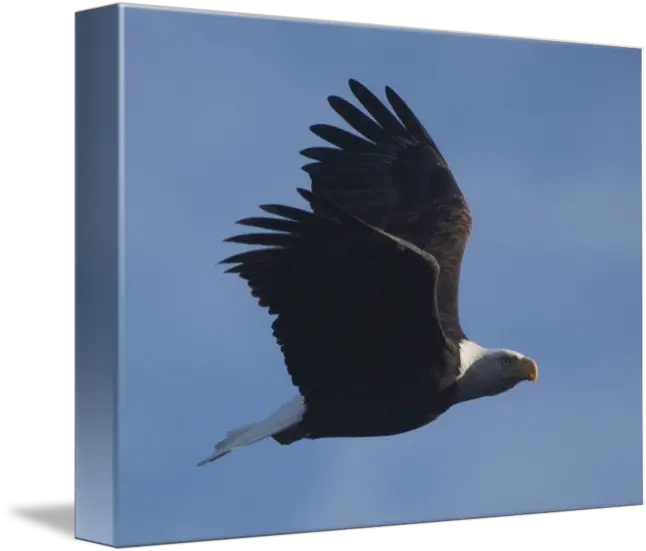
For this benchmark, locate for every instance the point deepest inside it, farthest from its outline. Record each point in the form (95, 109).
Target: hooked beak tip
(531, 370)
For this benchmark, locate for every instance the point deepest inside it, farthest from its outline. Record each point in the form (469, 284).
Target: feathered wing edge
(285, 230)
(381, 133)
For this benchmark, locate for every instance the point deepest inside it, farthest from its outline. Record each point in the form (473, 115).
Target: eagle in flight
(364, 285)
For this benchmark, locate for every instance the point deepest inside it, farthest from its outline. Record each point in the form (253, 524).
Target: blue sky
(544, 139)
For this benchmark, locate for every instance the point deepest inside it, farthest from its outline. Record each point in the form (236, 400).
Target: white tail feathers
(286, 416)
(232, 434)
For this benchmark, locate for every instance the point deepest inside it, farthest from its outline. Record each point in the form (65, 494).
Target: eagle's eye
(505, 361)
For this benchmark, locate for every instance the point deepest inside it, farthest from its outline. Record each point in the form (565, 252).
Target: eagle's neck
(470, 352)
(472, 380)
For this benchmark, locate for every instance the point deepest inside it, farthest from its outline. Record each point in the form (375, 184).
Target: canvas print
(319, 266)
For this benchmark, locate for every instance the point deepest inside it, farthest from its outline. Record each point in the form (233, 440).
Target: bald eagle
(364, 285)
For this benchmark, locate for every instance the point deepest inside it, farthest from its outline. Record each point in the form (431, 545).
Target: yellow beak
(528, 369)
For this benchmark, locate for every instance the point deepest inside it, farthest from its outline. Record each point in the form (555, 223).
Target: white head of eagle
(488, 372)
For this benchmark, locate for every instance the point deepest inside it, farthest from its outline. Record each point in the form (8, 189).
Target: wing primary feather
(342, 138)
(410, 120)
(324, 206)
(358, 120)
(277, 224)
(321, 153)
(377, 109)
(406, 115)
(267, 239)
(251, 257)
(237, 269)
(291, 213)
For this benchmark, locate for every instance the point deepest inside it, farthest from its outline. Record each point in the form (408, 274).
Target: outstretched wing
(356, 311)
(394, 177)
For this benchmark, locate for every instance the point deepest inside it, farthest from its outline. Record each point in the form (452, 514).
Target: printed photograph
(372, 276)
